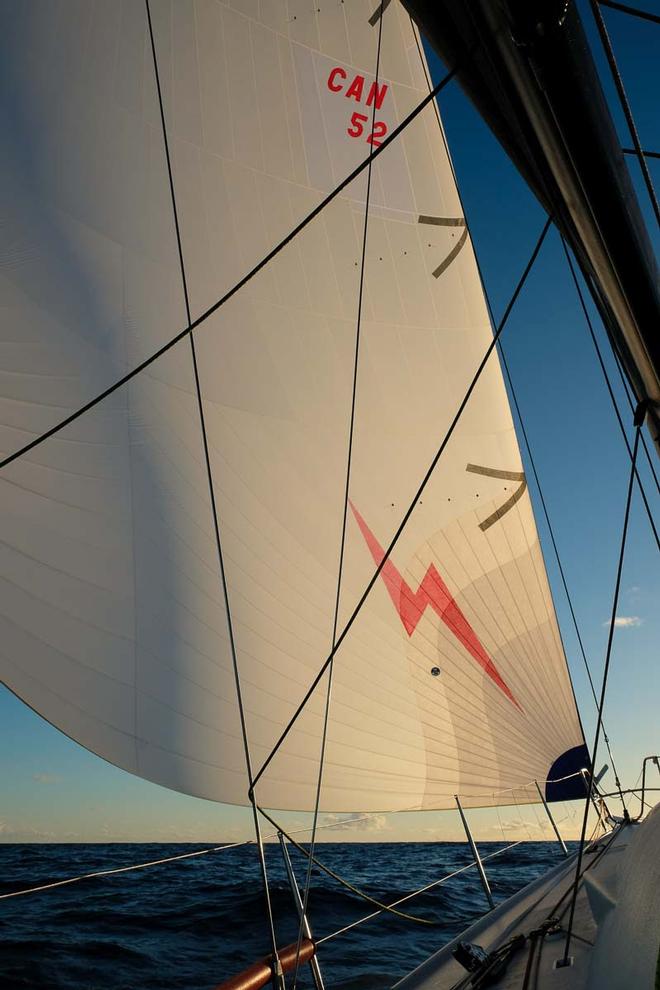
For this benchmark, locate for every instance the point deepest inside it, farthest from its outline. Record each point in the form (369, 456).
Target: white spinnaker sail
(452, 679)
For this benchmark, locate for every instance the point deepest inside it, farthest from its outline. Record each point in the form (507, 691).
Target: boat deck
(534, 964)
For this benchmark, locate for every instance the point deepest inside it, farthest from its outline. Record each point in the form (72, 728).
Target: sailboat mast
(529, 71)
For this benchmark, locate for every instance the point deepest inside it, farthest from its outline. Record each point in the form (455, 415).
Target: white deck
(549, 896)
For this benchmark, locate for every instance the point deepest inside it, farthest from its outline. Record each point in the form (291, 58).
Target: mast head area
(529, 71)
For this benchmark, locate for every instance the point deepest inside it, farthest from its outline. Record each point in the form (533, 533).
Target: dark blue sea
(194, 923)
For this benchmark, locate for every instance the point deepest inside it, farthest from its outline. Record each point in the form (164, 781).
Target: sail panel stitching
(203, 317)
(214, 510)
(529, 453)
(420, 490)
(351, 432)
(490, 311)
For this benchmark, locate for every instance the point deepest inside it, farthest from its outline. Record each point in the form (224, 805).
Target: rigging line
(608, 655)
(124, 869)
(216, 525)
(414, 113)
(415, 893)
(482, 283)
(552, 538)
(438, 454)
(609, 388)
(190, 855)
(554, 543)
(623, 99)
(626, 389)
(647, 154)
(328, 697)
(346, 883)
(635, 11)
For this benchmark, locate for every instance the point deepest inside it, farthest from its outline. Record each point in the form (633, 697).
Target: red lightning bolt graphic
(434, 592)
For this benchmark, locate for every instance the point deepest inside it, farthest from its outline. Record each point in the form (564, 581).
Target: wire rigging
(420, 491)
(351, 431)
(346, 883)
(524, 431)
(513, 394)
(555, 548)
(389, 908)
(625, 105)
(416, 893)
(211, 486)
(118, 383)
(122, 869)
(647, 154)
(634, 11)
(642, 439)
(609, 388)
(639, 415)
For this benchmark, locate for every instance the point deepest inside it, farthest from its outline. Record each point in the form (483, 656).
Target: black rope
(209, 473)
(608, 655)
(346, 883)
(557, 557)
(609, 389)
(239, 285)
(647, 154)
(525, 438)
(326, 715)
(623, 99)
(438, 454)
(626, 389)
(635, 11)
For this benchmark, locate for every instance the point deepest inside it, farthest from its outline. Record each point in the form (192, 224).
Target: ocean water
(194, 923)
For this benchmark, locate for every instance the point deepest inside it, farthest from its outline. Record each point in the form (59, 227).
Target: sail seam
(267, 258)
(528, 448)
(342, 547)
(216, 524)
(540, 686)
(420, 490)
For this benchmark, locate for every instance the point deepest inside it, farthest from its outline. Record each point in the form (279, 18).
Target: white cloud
(625, 622)
(517, 824)
(46, 778)
(24, 833)
(372, 823)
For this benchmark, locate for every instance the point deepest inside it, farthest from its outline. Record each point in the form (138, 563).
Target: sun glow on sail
(113, 618)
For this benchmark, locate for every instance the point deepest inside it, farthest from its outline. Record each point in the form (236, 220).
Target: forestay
(114, 628)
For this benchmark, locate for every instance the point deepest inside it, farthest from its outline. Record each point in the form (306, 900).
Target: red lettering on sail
(334, 73)
(354, 91)
(377, 93)
(432, 592)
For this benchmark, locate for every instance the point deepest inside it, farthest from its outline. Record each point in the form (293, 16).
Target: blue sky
(55, 791)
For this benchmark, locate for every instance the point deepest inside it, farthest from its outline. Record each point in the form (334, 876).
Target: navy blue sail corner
(570, 762)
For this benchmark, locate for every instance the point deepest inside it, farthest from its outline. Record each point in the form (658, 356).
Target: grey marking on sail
(447, 222)
(378, 12)
(443, 221)
(511, 501)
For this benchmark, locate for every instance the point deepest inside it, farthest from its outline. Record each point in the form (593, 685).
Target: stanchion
(552, 821)
(313, 962)
(475, 853)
